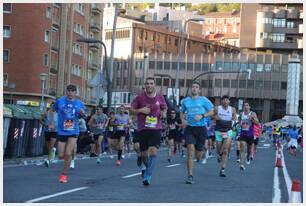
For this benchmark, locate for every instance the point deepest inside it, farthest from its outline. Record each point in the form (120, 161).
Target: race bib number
(69, 124)
(245, 126)
(99, 125)
(121, 126)
(224, 135)
(151, 122)
(111, 129)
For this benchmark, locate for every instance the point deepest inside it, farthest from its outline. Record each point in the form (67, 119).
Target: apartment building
(276, 28)
(50, 46)
(223, 27)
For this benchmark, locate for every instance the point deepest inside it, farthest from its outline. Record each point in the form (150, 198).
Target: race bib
(111, 129)
(121, 126)
(151, 122)
(245, 126)
(99, 125)
(69, 124)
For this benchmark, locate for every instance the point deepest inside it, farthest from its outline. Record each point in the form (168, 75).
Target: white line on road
(56, 194)
(277, 191)
(173, 165)
(132, 175)
(286, 175)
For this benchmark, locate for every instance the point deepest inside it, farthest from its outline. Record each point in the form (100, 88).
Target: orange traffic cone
(295, 196)
(278, 162)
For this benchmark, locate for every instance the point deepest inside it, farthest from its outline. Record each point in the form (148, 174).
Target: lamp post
(180, 49)
(224, 72)
(43, 78)
(92, 41)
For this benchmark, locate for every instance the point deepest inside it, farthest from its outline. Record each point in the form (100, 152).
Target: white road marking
(173, 165)
(132, 175)
(277, 191)
(286, 175)
(56, 194)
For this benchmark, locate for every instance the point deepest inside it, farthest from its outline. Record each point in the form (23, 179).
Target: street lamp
(11, 86)
(43, 78)
(180, 49)
(92, 41)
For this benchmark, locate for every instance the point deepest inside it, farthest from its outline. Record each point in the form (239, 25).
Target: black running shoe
(142, 173)
(139, 161)
(189, 179)
(222, 173)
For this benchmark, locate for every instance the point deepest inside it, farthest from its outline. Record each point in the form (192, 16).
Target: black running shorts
(63, 138)
(196, 136)
(149, 138)
(248, 140)
(49, 135)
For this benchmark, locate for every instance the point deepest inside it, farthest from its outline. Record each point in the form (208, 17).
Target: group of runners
(200, 128)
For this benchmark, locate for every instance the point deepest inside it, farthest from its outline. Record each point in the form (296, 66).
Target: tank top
(122, 121)
(224, 124)
(246, 125)
(98, 121)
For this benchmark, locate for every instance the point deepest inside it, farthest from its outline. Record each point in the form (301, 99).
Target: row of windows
(80, 8)
(79, 29)
(6, 57)
(219, 66)
(277, 37)
(222, 21)
(282, 23)
(77, 49)
(120, 34)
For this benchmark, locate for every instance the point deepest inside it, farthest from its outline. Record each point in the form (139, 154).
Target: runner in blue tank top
(68, 109)
(194, 110)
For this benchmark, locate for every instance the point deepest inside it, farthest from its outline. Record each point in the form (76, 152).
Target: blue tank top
(121, 121)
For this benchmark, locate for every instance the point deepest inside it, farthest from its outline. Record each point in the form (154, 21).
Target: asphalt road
(108, 183)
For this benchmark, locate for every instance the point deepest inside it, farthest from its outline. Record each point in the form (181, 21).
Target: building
(223, 27)
(50, 47)
(276, 28)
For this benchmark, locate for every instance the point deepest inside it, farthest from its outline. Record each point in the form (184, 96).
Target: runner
(68, 108)
(293, 137)
(50, 135)
(211, 136)
(257, 131)
(224, 115)
(111, 128)
(247, 119)
(97, 124)
(120, 133)
(150, 107)
(194, 110)
(173, 131)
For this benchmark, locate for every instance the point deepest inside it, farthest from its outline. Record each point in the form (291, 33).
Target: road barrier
(295, 196)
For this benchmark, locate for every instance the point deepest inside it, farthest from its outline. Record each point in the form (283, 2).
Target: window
(6, 56)
(242, 84)
(268, 67)
(279, 23)
(151, 64)
(267, 85)
(160, 65)
(5, 79)
(226, 83)
(205, 67)
(189, 66)
(146, 35)
(197, 66)
(290, 25)
(158, 81)
(259, 84)
(218, 83)
(267, 20)
(263, 35)
(259, 68)
(243, 66)
(79, 29)
(275, 85)
(80, 8)
(167, 65)
(7, 8)
(182, 83)
(48, 12)
(78, 90)
(77, 49)
(250, 84)
(47, 36)
(6, 31)
(278, 37)
(46, 60)
(166, 82)
(283, 85)
(118, 81)
(276, 67)
(76, 70)
(227, 66)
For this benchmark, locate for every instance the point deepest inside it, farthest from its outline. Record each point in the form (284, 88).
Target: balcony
(95, 26)
(263, 43)
(95, 9)
(93, 65)
(55, 45)
(285, 30)
(301, 28)
(284, 45)
(280, 13)
(293, 14)
(94, 46)
(300, 43)
(54, 68)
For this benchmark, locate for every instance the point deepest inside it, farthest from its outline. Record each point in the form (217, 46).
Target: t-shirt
(98, 123)
(68, 111)
(198, 106)
(293, 134)
(173, 125)
(121, 121)
(151, 121)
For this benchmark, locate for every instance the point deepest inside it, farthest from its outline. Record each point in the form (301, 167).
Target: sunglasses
(70, 90)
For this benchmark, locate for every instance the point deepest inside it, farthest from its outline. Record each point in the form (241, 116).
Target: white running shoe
(204, 161)
(53, 151)
(248, 162)
(111, 156)
(123, 156)
(72, 164)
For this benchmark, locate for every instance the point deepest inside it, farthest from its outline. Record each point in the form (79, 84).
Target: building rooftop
(234, 13)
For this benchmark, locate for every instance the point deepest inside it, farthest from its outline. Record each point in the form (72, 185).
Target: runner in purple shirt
(150, 108)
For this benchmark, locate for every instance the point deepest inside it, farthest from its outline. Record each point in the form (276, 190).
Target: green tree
(204, 8)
